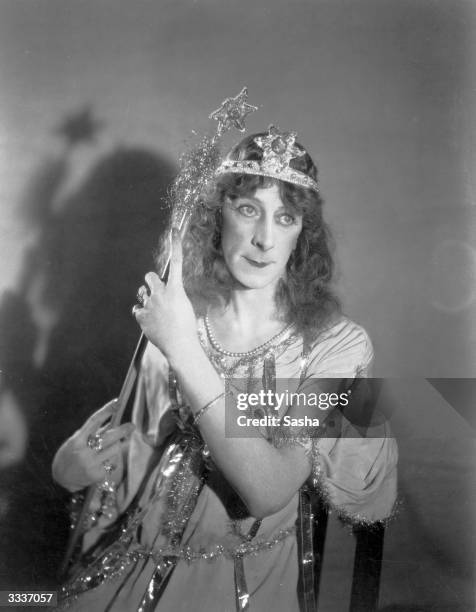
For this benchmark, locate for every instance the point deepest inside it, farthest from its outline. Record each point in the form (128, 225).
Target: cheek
(292, 243)
(233, 236)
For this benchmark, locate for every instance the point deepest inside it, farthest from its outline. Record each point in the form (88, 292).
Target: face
(258, 236)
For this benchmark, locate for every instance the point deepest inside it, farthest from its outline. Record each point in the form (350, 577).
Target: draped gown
(182, 512)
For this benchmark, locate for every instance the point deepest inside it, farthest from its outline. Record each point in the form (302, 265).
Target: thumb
(176, 258)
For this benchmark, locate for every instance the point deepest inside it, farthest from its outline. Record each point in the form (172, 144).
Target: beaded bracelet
(207, 407)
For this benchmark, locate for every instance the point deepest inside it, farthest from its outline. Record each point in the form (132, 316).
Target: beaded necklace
(217, 346)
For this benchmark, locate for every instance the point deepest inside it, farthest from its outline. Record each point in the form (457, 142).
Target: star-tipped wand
(232, 112)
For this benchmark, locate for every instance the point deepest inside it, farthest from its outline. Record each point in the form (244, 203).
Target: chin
(252, 281)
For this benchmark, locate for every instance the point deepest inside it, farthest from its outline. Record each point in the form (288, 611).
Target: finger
(98, 419)
(107, 427)
(110, 437)
(153, 281)
(176, 258)
(141, 314)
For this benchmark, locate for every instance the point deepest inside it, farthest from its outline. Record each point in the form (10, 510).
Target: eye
(286, 219)
(247, 210)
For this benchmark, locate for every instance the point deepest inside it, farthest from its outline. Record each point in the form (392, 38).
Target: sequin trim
(120, 556)
(347, 518)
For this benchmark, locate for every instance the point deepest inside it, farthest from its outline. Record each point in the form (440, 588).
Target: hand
(76, 465)
(167, 317)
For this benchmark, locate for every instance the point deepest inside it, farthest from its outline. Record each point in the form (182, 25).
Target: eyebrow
(251, 198)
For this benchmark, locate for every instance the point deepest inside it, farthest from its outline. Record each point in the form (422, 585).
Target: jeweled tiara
(278, 150)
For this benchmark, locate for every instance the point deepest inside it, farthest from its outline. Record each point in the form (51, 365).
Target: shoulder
(343, 348)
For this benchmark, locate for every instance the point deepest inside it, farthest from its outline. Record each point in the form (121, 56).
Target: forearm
(265, 477)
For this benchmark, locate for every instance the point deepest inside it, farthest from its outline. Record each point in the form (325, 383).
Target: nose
(263, 236)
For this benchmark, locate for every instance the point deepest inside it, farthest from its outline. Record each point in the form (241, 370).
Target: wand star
(233, 112)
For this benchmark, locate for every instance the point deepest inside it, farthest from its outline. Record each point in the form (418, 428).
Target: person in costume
(196, 511)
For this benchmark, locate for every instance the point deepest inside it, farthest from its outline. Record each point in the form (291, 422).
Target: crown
(278, 150)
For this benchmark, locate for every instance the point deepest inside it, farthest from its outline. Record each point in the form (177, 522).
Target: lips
(258, 264)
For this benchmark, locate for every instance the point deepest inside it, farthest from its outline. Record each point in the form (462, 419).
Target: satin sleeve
(152, 418)
(153, 422)
(353, 468)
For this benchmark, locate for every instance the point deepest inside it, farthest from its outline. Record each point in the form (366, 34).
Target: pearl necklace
(216, 345)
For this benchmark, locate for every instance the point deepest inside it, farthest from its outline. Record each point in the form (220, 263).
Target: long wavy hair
(305, 296)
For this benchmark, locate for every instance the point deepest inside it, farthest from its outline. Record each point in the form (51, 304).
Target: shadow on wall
(67, 335)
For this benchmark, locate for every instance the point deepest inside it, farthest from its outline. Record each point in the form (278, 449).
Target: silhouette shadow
(67, 334)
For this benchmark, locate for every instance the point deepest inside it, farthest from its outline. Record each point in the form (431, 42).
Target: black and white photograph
(238, 305)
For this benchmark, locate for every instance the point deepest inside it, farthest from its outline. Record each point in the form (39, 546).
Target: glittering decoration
(197, 169)
(105, 502)
(183, 493)
(156, 584)
(199, 164)
(179, 482)
(228, 366)
(126, 552)
(306, 554)
(108, 499)
(179, 485)
(278, 150)
(258, 350)
(360, 520)
(180, 477)
(347, 518)
(233, 111)
(75, 505)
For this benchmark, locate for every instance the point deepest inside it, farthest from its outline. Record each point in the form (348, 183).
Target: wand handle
(134, 366)
(122, 401)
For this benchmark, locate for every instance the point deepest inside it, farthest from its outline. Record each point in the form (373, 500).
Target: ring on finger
(96, 442)
(142, 295)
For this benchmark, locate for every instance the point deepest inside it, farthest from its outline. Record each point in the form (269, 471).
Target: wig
(304, 297)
